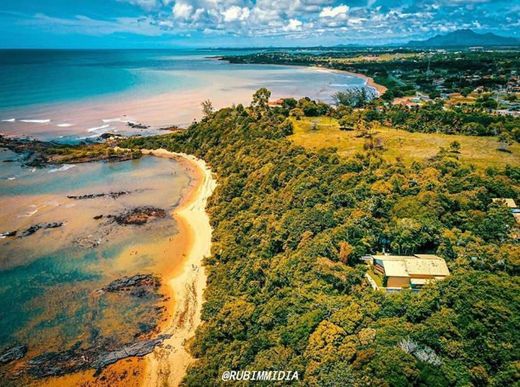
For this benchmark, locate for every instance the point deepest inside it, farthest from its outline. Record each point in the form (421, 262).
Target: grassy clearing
(323, 132)
(377, 279)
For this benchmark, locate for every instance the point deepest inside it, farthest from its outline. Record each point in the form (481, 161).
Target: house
(396, 271)
(276, 102)
(508, 202)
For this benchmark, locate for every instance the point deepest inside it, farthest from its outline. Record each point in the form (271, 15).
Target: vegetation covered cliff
(286, 288)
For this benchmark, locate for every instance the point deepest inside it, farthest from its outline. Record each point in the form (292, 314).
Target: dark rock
(108, 135)
(78, 359)
(97, 217)
(139, 216)
(53, 225)
(12, 354)
(137, 125)
(31, 230)
(8, 234)
(113, 195)
(61, 363)
(139, 285)
(140, 348)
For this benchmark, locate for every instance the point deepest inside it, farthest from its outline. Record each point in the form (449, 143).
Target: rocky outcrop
(40, 153)
(139, 285)
(12, 354)
(138, 216)
(80, 359)
(137, 125)
(139, 349)
(108, 135)
(31, 230)
(113, 195)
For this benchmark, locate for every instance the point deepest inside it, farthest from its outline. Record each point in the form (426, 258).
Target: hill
(465, 38)
(286, 287)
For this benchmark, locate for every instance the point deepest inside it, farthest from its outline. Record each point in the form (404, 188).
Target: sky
(243, 23)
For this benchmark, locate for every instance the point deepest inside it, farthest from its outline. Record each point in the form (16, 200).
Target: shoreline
(86, 119)
(380, 89)
(168, 363)
(369, 81)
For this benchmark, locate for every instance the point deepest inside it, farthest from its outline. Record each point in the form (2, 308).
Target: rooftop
(419, 264)
(505, 201)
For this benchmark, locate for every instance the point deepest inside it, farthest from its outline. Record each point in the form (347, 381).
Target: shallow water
(48, 280)
(49, 94)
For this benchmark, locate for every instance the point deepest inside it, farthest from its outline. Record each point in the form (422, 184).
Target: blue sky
(243, 23)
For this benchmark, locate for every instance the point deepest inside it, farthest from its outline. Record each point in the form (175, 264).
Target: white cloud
(182, 10)
(293, 18)
(334, 11)
(235, 13)
(294, 25)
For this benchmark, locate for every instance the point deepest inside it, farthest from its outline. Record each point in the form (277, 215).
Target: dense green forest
(286, 288)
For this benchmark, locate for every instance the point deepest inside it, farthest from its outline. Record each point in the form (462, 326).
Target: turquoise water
(29, 77)
(55, 94)
(49, 280)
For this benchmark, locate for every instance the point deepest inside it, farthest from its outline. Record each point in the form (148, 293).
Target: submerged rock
(13, 353)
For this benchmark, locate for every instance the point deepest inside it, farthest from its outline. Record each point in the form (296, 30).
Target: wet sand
(168, 363)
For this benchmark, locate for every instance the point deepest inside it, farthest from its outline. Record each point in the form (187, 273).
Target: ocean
(84, 93)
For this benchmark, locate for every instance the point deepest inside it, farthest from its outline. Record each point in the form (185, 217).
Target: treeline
(356, 107)
(434, 118)
(286, 289)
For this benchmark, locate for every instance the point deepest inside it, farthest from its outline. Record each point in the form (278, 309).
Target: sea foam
(98, 128)
(63, 168)
(119, 119)
(9, 120)
(36, 121)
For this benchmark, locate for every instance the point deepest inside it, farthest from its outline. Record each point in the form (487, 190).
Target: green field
(323, 132)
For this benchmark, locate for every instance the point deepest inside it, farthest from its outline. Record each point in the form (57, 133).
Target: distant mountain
(465, 38)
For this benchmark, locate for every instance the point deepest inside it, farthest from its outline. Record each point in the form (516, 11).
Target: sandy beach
(380, 89)
(370, 83)
(168, 363)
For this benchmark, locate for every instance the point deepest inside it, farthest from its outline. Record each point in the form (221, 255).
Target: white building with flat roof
(398, 271)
